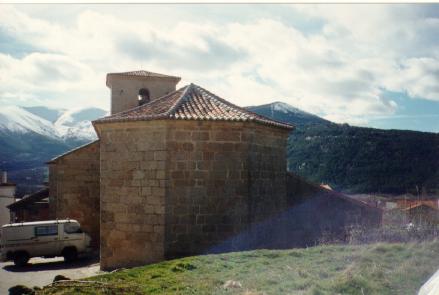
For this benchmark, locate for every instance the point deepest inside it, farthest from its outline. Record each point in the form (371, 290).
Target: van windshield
(72, 228)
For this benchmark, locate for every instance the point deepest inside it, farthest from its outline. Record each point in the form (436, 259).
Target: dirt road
(40, 272)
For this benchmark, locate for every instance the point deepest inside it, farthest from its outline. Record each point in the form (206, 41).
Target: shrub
(21, 290)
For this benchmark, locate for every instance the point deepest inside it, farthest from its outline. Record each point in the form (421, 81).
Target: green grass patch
(366, 269)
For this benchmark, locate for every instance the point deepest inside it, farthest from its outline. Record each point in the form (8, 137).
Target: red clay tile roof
(191, 103)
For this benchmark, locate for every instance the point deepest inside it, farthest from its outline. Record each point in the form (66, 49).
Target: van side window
(72, 228)
(47, 230)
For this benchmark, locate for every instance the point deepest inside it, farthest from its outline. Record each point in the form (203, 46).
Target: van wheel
(21, 258)
(70, 254)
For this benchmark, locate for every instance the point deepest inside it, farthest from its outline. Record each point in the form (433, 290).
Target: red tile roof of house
(191, 102)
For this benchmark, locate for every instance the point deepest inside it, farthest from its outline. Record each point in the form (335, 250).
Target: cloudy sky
(368, 65)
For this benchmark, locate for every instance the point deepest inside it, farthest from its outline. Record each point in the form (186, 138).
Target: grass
(329, 269)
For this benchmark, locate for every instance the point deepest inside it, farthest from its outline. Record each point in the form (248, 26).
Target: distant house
(401, 210)
(31, 208)
(423, 213)
(7, 197)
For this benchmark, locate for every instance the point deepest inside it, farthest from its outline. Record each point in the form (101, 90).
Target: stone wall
(74, 188)
(173, 188)
(133, 187)
(317, 215)
(208, 185)
(223, 176)
(267, 172)
(310, 216)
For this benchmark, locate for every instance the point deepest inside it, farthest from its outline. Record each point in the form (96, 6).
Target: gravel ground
(40, 271)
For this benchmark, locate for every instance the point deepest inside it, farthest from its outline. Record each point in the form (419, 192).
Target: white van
(21, 241)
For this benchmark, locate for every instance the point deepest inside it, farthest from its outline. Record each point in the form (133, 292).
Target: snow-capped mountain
(62, 125)
(31, 136)
(76, 124)
(286, 108)
(284, 112)
(49, 114)
(17, 120)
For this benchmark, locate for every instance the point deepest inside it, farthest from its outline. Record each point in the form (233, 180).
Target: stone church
(178, 172)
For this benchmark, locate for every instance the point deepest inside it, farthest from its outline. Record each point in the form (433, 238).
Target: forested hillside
(356, 159)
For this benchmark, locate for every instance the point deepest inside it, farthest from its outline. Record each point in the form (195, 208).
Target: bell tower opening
(143, 96)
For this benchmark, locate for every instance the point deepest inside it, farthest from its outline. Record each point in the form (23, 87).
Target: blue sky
(369, 65)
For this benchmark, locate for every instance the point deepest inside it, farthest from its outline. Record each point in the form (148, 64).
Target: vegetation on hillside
(27, 150)
(357, 159)
(24, 156)
(366, 160)
(366, 269)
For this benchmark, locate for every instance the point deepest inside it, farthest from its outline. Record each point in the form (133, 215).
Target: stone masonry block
(160, 155)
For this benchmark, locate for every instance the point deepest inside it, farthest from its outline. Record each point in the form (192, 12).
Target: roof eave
(152, 77)
(165, 117)
(54, 160)
(35, 197)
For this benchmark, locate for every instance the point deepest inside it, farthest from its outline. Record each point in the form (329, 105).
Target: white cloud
(419, 77)
(340, 72)
(40, 74)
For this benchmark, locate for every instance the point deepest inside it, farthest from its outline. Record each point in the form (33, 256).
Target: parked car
(21, 241)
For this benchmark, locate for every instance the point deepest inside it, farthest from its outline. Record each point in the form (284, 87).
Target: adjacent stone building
(74, 188)
(177, 172)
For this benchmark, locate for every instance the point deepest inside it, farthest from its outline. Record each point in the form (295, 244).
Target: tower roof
(191, 102)
(143, 73)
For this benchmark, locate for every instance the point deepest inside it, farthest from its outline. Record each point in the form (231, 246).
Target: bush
(60, 278)
(21, 290)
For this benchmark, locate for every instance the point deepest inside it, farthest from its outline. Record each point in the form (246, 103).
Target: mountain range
(30, 136)
(348, 158)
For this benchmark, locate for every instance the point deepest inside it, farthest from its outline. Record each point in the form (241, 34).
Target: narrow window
(143, 96)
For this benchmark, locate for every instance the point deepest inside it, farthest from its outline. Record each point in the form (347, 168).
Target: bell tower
(131, 89)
